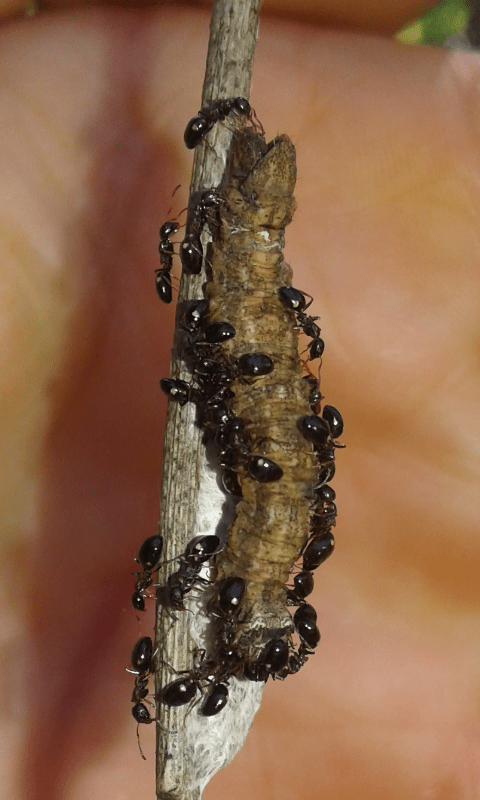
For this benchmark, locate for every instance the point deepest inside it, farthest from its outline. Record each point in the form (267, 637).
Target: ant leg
(256, 122)
(138, 742)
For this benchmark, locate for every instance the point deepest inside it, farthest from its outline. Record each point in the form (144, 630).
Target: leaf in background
(447, 18)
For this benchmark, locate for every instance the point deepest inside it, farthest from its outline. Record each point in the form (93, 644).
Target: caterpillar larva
(260, 402)
(248, 271)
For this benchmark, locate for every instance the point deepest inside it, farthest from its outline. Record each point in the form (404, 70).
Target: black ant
(183, 690)
(163, 277)
(191, 249)
(295, 301)
(272, 661)
(149, 558)
(199, 550)
(141, 660)
(303, 584)
(217, 110)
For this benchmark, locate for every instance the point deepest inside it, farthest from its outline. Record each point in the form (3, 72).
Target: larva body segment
(248, 270)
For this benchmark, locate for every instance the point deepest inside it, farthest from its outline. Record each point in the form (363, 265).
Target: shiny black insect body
(276, 657)
(199, 550)
(162, 276)
(314, 396)
(334, 420)
(305, 619)
(323, 431)
(191, 254)
(142, 716)
(176, 389)
(318, 550)
(302, 586)
(191, 248)
(295, 301)
(264, 470)
(296, 661)
(141, 660)
(206, 118)
(178, 693)
(215, 701)
(195, 314)
(230, 594)
(149, 558)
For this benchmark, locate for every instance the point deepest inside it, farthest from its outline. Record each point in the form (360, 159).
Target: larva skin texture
(247, 271)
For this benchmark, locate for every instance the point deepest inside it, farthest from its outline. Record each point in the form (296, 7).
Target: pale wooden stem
(190, 749)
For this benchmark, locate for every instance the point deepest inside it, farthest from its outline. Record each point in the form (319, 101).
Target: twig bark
(191, 748)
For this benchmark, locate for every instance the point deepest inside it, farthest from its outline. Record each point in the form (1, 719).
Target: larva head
(275, 174)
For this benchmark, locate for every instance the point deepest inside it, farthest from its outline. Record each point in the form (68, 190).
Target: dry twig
(191, 748)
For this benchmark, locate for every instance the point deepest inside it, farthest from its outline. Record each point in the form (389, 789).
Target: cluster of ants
(210, 389)
(197, 552)
(191, 249)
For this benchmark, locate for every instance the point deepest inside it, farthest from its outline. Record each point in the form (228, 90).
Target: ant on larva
(295, 301)
(254, 401)
(305, 619)
(191, 254)
(195, 314)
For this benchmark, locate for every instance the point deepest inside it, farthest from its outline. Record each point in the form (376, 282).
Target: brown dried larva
(248, 269)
